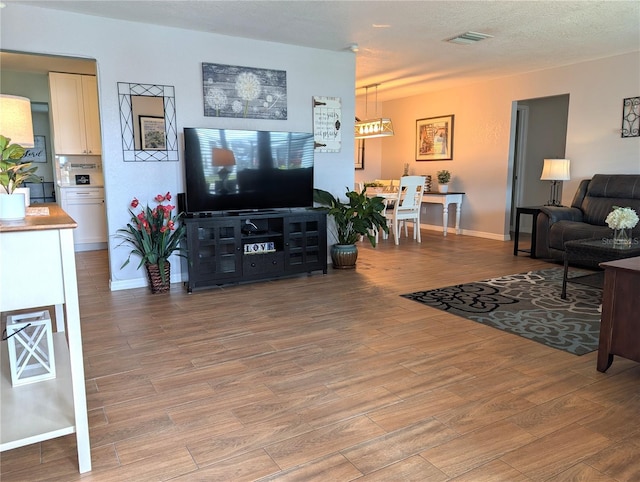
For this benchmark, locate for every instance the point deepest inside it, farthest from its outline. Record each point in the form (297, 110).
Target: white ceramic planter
(443, 188)
(27, 195)
(12, 207)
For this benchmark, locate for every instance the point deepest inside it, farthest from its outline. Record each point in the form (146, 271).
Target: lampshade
(555, 170)
(15, 120)
(223, 157)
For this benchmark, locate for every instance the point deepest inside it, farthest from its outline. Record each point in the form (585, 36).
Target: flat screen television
(239, 170)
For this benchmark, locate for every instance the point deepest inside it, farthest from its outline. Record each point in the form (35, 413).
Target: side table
(445, 199)
(533, 211)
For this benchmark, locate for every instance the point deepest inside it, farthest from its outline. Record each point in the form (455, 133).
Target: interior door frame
(519, 160)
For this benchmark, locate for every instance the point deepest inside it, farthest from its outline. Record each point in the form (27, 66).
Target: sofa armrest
(548, 216)
(561, 213)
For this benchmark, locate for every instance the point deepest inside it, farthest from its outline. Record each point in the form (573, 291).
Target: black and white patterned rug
(528, 305)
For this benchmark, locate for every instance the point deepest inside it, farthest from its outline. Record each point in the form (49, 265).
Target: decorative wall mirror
(148, 122)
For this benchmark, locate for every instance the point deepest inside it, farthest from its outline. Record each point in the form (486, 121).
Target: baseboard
(118, 285)
(467, 232)
(89, 247)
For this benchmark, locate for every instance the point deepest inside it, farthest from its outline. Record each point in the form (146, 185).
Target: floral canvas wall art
(245, 92)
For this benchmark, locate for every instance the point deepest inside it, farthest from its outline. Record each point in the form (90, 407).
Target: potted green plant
(359, 216)
(444, 177)
(154, 235)
(13, 173)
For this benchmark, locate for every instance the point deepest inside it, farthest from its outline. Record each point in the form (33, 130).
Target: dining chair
(407, 206)
(376, 231)
(387, 184)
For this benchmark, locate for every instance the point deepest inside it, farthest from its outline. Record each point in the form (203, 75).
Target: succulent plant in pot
(358, 216)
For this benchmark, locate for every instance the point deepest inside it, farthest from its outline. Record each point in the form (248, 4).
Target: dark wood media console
(252, 246)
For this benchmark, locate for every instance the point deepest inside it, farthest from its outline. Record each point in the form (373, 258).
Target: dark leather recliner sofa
(585, 218)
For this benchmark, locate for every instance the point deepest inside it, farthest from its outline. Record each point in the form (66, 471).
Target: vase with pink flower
(154, 234)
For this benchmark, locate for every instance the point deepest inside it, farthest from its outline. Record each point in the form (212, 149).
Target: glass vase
(622, 238)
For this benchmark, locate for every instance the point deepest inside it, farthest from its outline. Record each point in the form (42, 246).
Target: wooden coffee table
(589, 253)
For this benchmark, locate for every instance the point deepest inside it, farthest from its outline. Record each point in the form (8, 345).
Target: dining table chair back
(407, 206)
(387, 184)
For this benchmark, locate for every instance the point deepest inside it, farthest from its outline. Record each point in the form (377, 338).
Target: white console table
(39, 270)
(445, 199)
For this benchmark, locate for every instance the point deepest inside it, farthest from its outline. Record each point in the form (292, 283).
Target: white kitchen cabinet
(86, 207)
(74, 108)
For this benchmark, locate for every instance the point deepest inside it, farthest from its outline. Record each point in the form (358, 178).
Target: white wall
(131, 52)
(481, 164)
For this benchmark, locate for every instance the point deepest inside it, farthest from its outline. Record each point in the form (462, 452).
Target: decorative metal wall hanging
(631, 117)
(245, 92)
(327, 119)
(132, 141)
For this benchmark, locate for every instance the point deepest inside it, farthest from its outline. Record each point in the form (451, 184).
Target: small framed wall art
(434, 139)
(327, 120)
(152, 134)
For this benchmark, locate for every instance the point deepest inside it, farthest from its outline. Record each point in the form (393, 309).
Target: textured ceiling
(401, 42)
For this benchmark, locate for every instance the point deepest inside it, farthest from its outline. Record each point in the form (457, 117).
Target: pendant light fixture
(376, 127)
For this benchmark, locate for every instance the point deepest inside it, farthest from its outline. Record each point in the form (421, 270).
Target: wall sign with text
(37, 153)
(327, 123)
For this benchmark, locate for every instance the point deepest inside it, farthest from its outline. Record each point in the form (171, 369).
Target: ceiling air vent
(468, 38)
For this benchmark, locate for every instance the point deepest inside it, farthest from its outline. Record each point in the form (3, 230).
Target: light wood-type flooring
(336, 378)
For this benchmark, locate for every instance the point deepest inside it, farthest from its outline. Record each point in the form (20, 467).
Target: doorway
(540, 133)
(27, 75)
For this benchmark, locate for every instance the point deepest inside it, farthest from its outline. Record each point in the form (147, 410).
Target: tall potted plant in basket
(154, 234)
(359, 216)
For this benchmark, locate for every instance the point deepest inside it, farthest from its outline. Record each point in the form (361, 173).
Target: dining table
(429, 197)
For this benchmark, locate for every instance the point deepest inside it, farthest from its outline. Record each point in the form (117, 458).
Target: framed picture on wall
(244, 92)
(152, 134)
(434, 139)
(37, 153)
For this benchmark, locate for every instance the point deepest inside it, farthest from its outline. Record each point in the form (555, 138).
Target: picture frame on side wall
(359, 155)
(434, 138)
(359, 160)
